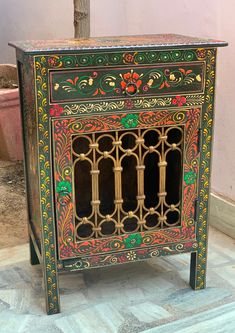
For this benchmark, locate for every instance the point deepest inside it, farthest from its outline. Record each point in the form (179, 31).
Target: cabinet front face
(119, 156)
(125, 181)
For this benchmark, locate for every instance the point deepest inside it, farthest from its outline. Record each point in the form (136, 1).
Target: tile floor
(149, 297)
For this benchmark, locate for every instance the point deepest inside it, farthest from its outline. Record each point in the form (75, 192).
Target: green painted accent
(190, 177)
(130, 121)
(119, 58)
(133, 240)
(64, 186)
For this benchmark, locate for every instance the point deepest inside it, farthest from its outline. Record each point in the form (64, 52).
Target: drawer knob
(63, 198)
(131, 89)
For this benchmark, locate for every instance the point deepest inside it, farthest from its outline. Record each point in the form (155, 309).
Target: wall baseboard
(222, 215)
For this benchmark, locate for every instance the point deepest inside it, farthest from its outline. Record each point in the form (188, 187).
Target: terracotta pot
(11, 146)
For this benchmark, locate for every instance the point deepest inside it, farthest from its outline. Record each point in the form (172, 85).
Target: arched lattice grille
(127, 181)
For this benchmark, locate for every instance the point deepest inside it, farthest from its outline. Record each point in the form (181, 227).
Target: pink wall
(26, 19)
(118, 17)
(223, 176)
(210, 18)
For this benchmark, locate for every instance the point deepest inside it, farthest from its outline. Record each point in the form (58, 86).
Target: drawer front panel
(105, 199)
(111, 83)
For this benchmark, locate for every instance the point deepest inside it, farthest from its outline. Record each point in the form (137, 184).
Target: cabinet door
(125, 181)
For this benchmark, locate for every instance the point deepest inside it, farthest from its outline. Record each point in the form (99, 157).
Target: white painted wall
(210, 18)
(154, 16)
(27, 19)
(44, 19)
(223, 175)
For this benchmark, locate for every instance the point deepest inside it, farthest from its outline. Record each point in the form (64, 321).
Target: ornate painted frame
(42, 64)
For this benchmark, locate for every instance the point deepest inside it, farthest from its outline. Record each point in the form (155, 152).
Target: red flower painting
(128, 58)
(201, 53)
(131, 77)
(52, 62)
(129, 104)
(179, 100)
(56, 110)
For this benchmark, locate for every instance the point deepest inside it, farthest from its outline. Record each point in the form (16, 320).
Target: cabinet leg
(51, 283)
(33, 255)
(198, 271)
(52, 296)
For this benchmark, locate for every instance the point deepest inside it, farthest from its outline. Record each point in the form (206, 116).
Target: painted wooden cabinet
(117, 139)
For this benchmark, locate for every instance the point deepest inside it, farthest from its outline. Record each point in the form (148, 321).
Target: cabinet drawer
(113, 83)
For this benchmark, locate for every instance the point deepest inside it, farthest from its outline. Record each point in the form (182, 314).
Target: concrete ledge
(222, 214)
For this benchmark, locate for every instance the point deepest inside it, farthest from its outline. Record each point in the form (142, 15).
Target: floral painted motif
(56, 110)
(133, 240)
(130, 120)
(62, 126)
(201, 53)
(129, 58)
(190, 177)
(129, 104)
(52, 62)
(128, 78)
(64, 186)
(179, 100)
(131, 256)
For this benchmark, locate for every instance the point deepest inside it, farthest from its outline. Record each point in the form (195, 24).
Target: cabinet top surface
(162, 41)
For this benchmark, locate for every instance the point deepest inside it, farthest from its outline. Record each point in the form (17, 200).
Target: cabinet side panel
(199, 258)
(29, 126)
